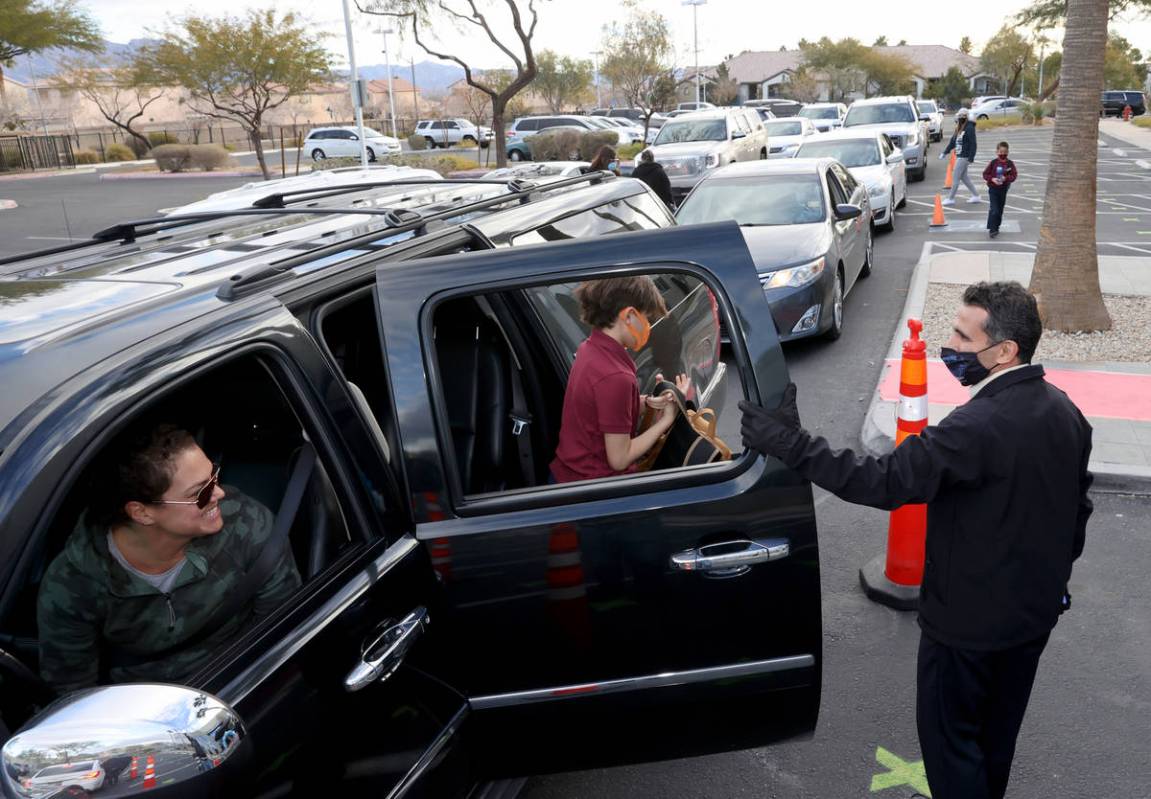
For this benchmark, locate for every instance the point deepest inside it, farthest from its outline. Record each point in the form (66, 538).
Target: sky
(574, 27)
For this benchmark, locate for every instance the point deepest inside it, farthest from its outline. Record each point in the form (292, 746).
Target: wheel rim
(837, 303)
(317, 155)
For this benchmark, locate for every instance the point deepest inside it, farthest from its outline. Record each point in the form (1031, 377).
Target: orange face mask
(642, 333)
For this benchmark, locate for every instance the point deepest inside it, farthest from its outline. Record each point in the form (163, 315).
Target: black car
(1113, 102)
(400, 353)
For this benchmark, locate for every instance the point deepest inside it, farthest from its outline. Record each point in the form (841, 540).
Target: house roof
(931, 61)
(399, 85)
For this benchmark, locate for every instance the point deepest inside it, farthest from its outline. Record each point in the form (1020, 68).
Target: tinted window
(845, 178)
(836, 192)
(741, 123)
(437, 126)
(684, 130)
(528, 124)
(885, 114)
(857, 152)
(784, 128)
(777, 200)
(927, 107)
(451, 126)
(826, 112)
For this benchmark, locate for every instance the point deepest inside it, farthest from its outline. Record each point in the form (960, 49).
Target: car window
(818, 113)
(557, 440)
(685, 130)
(437, 125)
(886, 147)
(451, 125)
(927, 107)
(784, 128)
(640, 212)
(741, 123)
(118, 627)
(879, 114)
(527, 124)
(851, 153)
(782, 200)
(835, 191)
(845, 178)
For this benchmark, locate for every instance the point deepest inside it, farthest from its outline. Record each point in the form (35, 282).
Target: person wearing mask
(964, 144)
(1005, 480)
(602, 403)
(999, 175)
(652, 173)
(605, 159)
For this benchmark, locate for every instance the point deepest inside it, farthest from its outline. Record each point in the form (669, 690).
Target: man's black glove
(771, 432)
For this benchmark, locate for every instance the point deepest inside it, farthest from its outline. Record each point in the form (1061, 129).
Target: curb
(878, 433)
(177, 175)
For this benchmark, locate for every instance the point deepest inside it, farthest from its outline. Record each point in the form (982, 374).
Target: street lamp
(595, 55)
(695, 4)
(357, 100)
(391, 93)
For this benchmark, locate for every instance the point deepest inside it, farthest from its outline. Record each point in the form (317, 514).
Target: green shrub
(1141, 122)
(444, 164)
(87, 157)
(629, 151)
(1002, 122)
(208, 156)
(589, 143)
(172, 157)
(560, 145)
(417, 141)
(159, 137)
(119, 152)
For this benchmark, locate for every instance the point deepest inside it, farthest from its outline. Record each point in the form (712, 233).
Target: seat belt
(253, 579)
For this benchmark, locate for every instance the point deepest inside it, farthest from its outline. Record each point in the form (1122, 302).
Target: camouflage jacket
(89, 605)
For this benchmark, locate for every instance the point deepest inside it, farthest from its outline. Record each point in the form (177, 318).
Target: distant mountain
(432, 77)
(45, 64)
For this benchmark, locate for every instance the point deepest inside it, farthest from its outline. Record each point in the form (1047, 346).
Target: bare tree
(1065, 279)
(116, 91)
(421, 15)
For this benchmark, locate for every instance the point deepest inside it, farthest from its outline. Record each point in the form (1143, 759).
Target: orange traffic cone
(894, 580)
(135, 771)
(150, 773)
(937, 219)
(440, 549)
(567, 590)
(950, 169)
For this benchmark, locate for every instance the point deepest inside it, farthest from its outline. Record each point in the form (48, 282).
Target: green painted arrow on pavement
(899, 772)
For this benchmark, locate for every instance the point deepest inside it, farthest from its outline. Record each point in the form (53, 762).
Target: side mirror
(844, 211)
(737, 134)
(354, 137)
(895, 157)
(925, 117)
(160, 733)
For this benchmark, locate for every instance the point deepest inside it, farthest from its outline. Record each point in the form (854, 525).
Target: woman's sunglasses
(203, 496)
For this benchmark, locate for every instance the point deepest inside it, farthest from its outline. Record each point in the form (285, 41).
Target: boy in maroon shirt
(602, 402)
(999, 175)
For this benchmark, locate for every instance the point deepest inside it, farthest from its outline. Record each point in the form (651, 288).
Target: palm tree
(1065, 280)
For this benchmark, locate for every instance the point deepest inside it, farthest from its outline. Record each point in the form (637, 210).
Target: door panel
(567, 596)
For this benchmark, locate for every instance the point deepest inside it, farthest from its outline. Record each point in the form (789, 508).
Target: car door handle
(383, 655)
(731, 558)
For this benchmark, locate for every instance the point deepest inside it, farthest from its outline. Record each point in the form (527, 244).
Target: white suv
(344, 142)
(447, 132)
(898, 117)
(527, 126)
(691, 145)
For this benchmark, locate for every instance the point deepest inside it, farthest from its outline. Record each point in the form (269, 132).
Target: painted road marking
(899, 772)
(1118, 152)
(1143, 250)
(7, 205)
(1142, 164)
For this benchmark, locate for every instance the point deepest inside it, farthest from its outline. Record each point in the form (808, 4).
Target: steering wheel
(40, 692)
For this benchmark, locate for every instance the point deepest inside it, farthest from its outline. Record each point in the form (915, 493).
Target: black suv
(399, 354)
(1113, 103)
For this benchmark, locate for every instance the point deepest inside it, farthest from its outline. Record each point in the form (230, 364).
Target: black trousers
(998, 197)
(969, 708)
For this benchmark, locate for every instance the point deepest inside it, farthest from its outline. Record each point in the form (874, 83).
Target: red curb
(1110, 395)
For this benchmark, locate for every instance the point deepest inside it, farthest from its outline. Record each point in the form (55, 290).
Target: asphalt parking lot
(1090, 712)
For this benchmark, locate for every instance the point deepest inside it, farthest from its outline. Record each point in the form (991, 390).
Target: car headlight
(711, 160)
(795, 277)
(913, 139)
(879, 190)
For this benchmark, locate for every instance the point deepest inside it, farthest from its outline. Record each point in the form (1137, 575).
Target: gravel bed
(1128, 340)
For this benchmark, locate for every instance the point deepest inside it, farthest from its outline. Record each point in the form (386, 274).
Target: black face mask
(965, 365)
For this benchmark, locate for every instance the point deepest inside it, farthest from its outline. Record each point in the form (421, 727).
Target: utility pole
(595, 55)
(415, 91)
(357, 100)
(391, 94)
(695, 4)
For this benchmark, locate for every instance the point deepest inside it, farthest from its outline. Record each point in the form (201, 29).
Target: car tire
(903, 202)
(890, 226)
(430, 142)
(469, 141)
(763, 154)
(981, 116)
(836, 309)
(318, 154)
(516, 155)
(371, 154)
(865, 270)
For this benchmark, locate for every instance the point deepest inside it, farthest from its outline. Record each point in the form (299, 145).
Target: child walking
(999, 175)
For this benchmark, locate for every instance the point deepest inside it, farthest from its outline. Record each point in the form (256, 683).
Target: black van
(399, 354)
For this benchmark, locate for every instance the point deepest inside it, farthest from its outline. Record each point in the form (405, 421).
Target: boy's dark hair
(139, 467)
(600, 301)
(1004, 145)
(1012, 314)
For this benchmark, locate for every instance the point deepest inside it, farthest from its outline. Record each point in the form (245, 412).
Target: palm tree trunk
(1065, 280)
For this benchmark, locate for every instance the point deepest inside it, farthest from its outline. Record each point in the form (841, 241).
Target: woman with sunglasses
(160, 547)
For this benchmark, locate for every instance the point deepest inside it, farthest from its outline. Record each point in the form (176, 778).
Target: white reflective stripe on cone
(912, 409)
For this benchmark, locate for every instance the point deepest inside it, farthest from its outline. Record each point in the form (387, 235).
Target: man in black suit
(1005, 480)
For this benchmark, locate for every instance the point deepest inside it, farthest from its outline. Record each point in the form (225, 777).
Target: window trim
(572, 494)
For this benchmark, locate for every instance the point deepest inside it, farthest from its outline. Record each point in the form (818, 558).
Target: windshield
(879, 114)
(827, 112)
(372, 134)
(927, 108)
(784, 200)
(858, 152)
(784, 128)
(600, 122)
(681, 130)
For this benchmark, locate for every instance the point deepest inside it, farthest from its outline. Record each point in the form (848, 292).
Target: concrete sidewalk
(1115, 397)
(1126, 132)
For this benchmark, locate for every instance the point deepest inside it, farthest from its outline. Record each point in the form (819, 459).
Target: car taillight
(91, 775)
